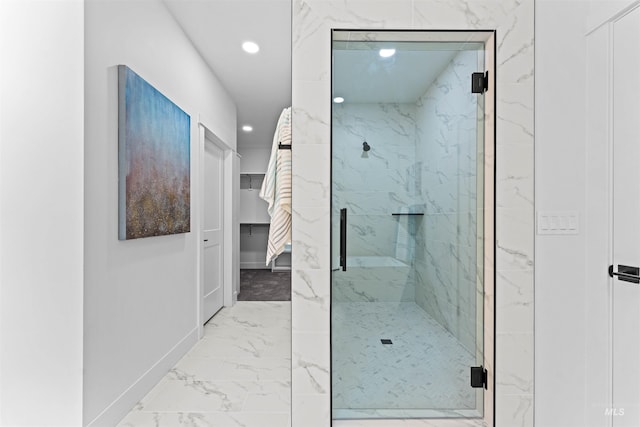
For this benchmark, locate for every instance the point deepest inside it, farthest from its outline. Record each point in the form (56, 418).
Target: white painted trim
(112, 414)
(597, 219)
(221, 143)
(610, 112)
(615, 17)
(229, 293)
(230, 296)
(235, 206)
(200, 235)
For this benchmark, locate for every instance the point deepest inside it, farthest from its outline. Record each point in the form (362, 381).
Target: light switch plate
(554, 222)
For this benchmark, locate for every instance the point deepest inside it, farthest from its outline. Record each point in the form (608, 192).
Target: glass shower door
(408, 215)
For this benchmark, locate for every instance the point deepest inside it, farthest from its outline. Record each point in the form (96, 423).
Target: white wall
(254, 160)
(572, 379)
(560, 186)
(603, 10)
(41, 208)
(140, 295)
(253, 246)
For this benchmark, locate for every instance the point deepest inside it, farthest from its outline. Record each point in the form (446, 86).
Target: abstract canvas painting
(153, 161)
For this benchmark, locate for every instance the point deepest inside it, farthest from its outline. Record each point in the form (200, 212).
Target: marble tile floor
(424, 373)
(238, 375)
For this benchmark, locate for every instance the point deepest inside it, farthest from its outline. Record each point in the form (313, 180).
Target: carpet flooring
(265, 285)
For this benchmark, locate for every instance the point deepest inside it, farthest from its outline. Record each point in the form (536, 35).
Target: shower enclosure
(412, 225)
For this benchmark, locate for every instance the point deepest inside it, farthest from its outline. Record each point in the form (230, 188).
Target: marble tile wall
(311, 69)
(374, 284)
(446, 118)
(371, 186)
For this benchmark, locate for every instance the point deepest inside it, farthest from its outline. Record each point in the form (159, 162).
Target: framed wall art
(153, 161)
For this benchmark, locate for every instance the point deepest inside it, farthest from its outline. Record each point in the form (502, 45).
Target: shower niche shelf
(408, 213)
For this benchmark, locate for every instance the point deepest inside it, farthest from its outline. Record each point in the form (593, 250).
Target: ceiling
(260, 84)
(362, 76)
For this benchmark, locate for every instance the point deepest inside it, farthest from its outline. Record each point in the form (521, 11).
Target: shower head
(366, 146)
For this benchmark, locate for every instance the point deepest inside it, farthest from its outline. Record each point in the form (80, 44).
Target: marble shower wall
(311, 96)
(447, 119)
(372, 185)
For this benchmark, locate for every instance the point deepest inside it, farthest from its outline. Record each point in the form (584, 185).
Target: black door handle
(626, 273)
(343, 239)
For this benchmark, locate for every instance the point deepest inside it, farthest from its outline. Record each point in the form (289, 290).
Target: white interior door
(213, 236)
(626, 221)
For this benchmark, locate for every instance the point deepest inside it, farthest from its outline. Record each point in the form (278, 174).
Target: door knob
(626, 273)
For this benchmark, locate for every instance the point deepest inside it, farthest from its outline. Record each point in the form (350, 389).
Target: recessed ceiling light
(247, 128)
(250, 47)
(387, 53)
(338, 100)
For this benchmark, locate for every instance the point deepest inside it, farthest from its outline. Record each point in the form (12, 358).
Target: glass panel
(407, 166)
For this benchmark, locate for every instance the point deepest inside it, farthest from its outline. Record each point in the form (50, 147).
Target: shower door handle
(343, 239)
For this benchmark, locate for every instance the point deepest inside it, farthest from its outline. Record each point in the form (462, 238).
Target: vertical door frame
(610, 199)
(603, 322)
(599, 227)
(489, 232)
(613, 406)
(230, 294)
(487, 302)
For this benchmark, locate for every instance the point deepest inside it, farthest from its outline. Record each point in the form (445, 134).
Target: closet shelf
(251, 181)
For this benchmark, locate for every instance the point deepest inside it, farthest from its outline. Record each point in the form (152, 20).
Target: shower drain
(386, 341)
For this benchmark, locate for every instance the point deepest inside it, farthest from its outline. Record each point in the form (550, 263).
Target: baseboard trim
(123, 404)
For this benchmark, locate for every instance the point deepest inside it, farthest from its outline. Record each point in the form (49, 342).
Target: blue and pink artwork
(153, 161)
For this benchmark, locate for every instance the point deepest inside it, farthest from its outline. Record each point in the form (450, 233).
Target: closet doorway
(259, 280)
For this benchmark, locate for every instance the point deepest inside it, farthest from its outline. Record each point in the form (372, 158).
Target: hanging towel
(276, 188)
